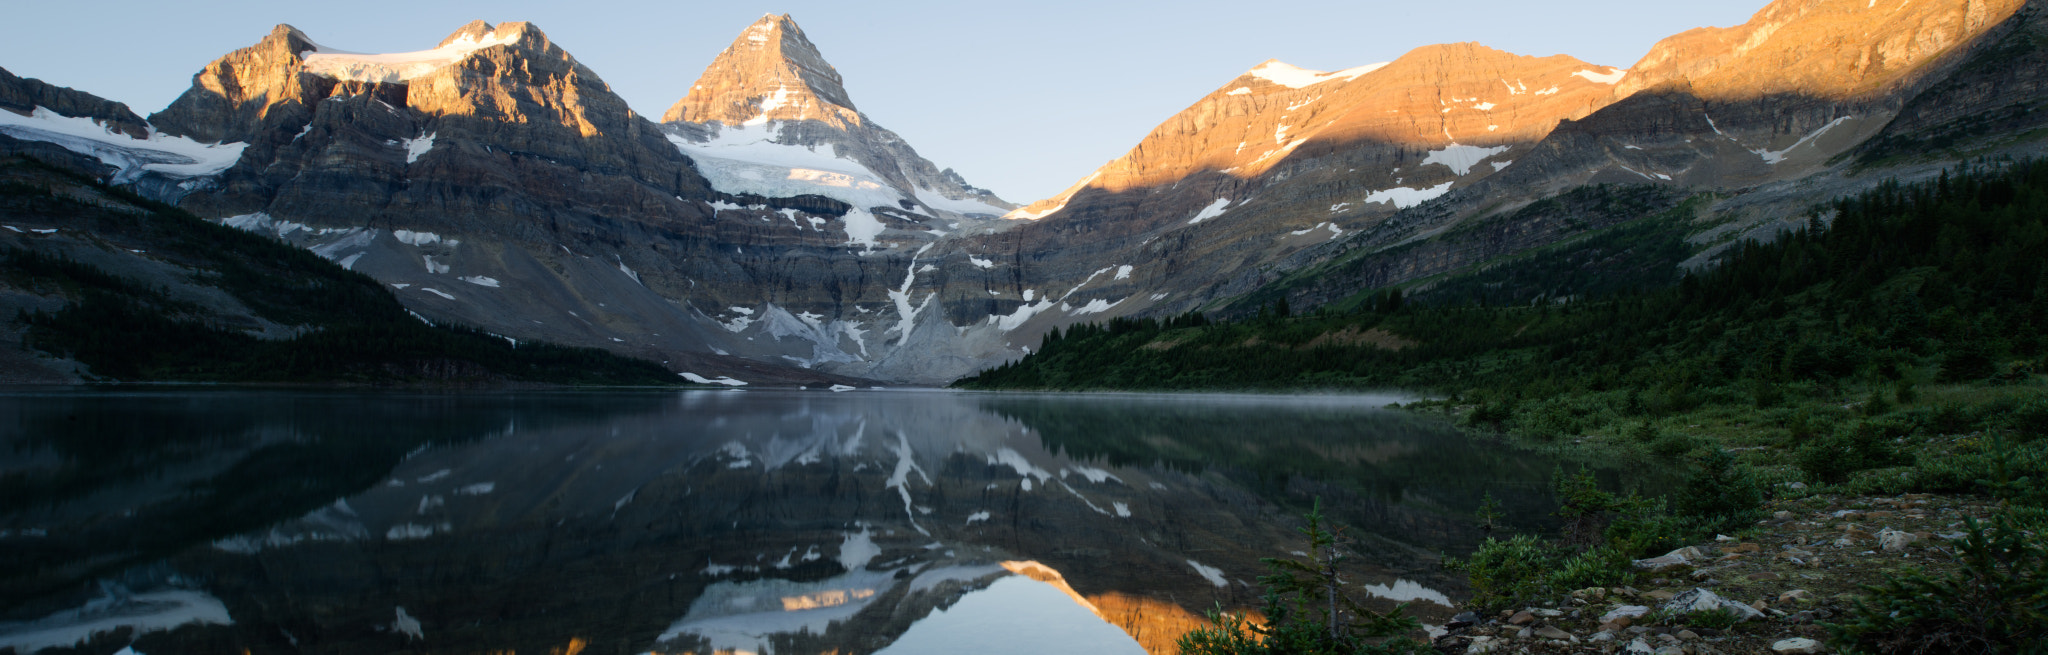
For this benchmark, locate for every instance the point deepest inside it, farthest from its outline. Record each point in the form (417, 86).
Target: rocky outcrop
(249, 94)
(1997, 92)
(24, 95)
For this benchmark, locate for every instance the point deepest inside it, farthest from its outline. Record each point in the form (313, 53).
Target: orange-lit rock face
(1430, 98)
(1818, 48)
(771, 72)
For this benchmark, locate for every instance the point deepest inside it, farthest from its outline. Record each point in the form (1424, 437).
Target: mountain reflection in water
(751, 521)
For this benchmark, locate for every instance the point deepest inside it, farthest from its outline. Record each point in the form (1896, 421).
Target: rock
(1669, 650)
(1624, 613)
(1548, 613)
(1464, 619)
(1640, 647)
(1795, 595)
(1701, 600)
(1616, 625)
(1763, 576)
(1688, 635)
(1782, 515)
(1686, 556)
(1482, 645)
(1742, 548)
(1659, 595)
(1524, 633)
(1893, 541)
(1551, 632)
(1523, 617)
(1601, 636)
(1723, 537)
(1797, 646)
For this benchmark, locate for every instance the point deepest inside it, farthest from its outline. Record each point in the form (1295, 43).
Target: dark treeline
(348, 327)
(1951, 275)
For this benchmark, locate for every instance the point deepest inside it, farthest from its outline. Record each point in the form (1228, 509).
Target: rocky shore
(1767, 590)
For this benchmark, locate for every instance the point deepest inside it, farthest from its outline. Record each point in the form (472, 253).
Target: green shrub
(1722, 495)
(1647, 530)
(2029, 420)
(1508, 573)
(1672, 445)
(1719, 618)
(1996, 603)
(1600, 566)
(1865, 445)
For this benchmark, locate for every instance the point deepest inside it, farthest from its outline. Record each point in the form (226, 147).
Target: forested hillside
(1907, 284)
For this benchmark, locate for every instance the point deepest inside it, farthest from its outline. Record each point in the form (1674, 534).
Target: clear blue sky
(1020, 97)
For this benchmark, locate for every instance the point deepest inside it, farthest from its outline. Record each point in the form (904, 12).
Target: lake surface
(180, 520)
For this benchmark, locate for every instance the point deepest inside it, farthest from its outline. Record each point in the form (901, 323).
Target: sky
(1023, 98)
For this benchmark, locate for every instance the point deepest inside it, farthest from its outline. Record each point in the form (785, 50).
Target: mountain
(770, 116)
(1759, 121)
(1281, 159)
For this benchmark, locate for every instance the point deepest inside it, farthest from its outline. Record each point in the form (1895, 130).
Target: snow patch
(397, 67)
(980, 263)
(1214, 209)
(438, 292)
(1773, 157)
(1123, 272)
(1461, 158)
(861, 228)
(417, 146)
(481, 281)
(411, 238)
(725, 380)
(1096, 306)
(1212, 574)
(1406, 590)
(1404, 197)
(160, 153)
(1612, 76)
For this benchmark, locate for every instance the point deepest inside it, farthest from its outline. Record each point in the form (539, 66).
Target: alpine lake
(210, 520)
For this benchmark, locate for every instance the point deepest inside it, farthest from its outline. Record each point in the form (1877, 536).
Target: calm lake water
(179, 520)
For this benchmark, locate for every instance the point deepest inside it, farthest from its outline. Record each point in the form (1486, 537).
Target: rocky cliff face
(1276, 161)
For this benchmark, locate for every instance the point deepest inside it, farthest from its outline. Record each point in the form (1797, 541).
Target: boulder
(1797, 646)
(1893, 541)
(1701, 600)
(1624, 612)
(1687, 556)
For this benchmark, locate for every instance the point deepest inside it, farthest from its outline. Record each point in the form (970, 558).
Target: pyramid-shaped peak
(476, 30)
(770, 72)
